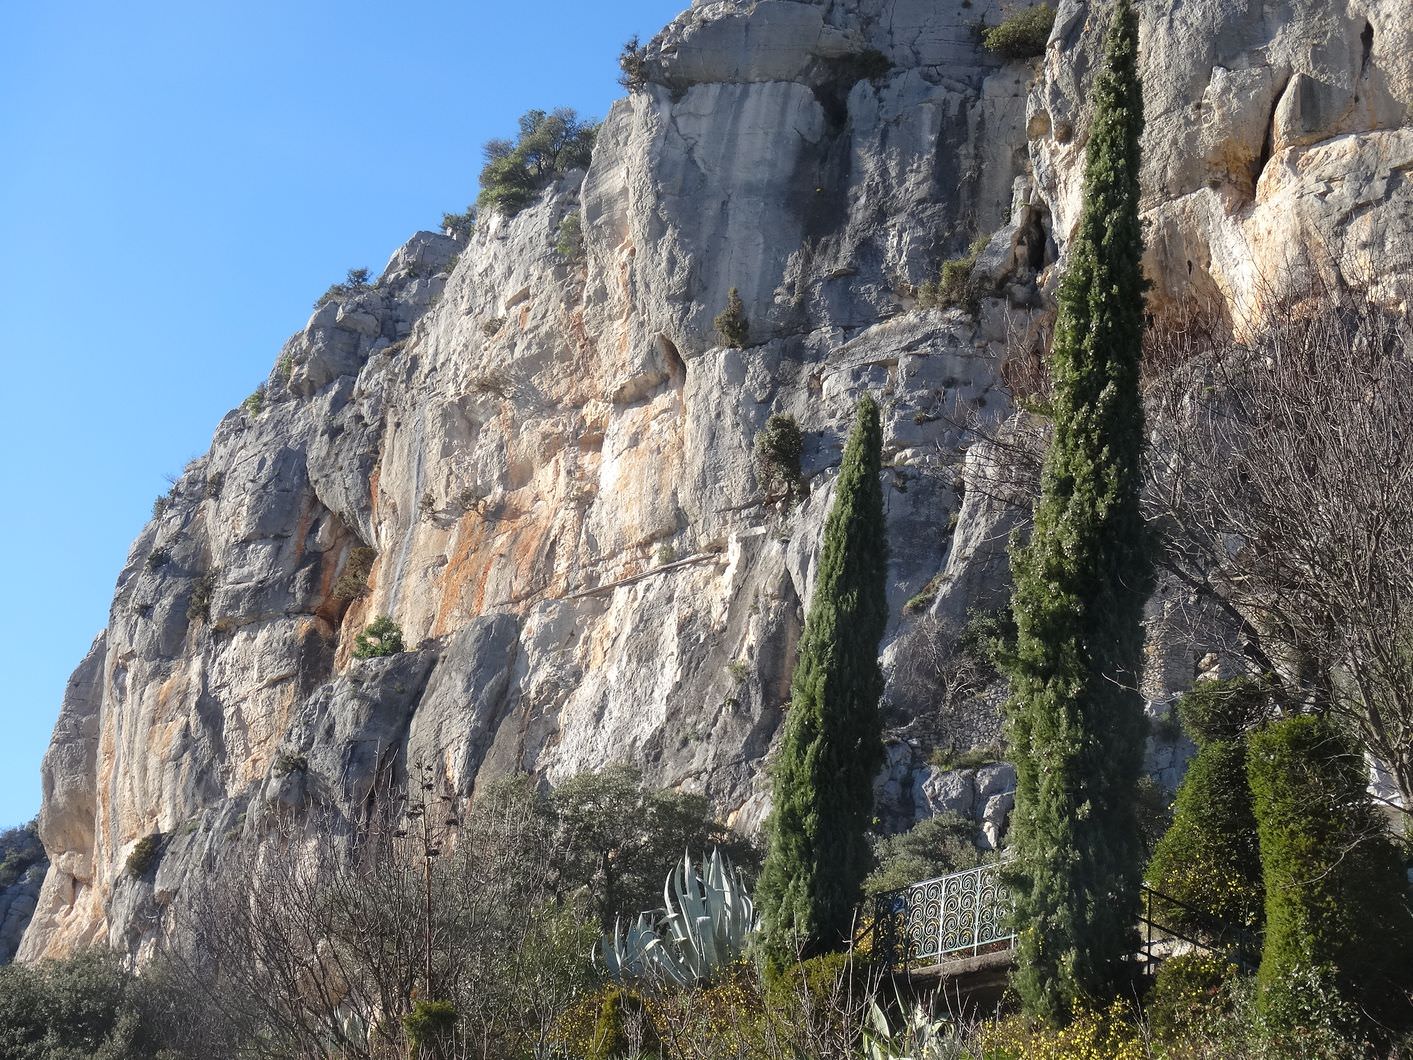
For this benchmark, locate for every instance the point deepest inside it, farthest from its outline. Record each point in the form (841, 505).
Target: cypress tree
(1076, 718)
(1209, 858)
(818, 854)
(1339, 936)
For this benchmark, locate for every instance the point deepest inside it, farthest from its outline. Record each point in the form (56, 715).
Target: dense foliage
(1336, 893)
(778, 448)
(731, 324)
(1021, 35)
(83, 1008)
(818, 853)
(618, 840)
(550, 144)
(933, 847)
(1076, 718)
(20, 850)
(382, 637)
(1209, 859)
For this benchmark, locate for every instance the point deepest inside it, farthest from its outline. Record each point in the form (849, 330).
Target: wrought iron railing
(970, 912)
(961, 914)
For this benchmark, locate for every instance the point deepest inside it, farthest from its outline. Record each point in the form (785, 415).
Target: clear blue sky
(178, 183)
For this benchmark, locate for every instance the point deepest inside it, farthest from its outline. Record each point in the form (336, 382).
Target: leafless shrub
(1280, 480)
(951, 671)
(322, 944)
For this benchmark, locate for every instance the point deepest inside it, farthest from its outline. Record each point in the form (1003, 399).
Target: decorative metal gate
(950, 916)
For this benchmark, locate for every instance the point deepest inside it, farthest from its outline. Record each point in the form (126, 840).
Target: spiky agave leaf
(706, 920)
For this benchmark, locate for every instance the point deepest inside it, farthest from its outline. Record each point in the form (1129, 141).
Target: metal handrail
(970, 911)
(959, 913)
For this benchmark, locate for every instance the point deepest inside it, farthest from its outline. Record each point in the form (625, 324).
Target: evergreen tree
(1210, 859)
(1338, 926)
(818, 851)
(1076, 717)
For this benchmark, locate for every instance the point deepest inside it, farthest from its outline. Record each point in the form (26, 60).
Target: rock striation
(541, 465)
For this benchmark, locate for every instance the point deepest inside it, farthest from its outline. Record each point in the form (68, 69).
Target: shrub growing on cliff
(778, 447)
(569, 238)
(352, 584)
(822, 783)
(549, 145)
(955, 288)
(198, 607)
(354, 281)
(460, 225)
(20, 849)
(382, 637)
(1336, 894)
(255, 402)
(633, 65)
(1022, 34)
(144, 855)
(731, 323)
(1076, 718)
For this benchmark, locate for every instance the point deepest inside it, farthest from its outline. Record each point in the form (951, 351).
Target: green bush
(354, 281)
(549, 145)
(1188, 989)
(382, 637)
(955, 288)
(255, 402)
(633, 65)
(430, 1023)
(287, 762)
(20, 849)
(84, 1007)
(145, 855)
(1336, 893)
(1022, 35)
(1224, 710)
(617, 840)
(352, 584)
(622, 1026)
(460, 225)
(817, 992)
(947, 759)
(731, 323)
(569, 242)
(1209, 857)
(933, 847)
(198, 608)
(778, 448)
(158, 557)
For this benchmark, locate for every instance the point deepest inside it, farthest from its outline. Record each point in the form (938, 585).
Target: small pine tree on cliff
(818, 853)
(1076, 717)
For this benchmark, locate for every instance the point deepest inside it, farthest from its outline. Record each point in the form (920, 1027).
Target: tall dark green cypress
(1076, 718)
(818, 852)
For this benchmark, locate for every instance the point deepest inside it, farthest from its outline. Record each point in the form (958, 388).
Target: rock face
(541, 467)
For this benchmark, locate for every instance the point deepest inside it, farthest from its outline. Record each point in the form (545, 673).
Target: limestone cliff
(550, 458)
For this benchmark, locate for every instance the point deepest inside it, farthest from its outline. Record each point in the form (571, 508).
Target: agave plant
(917, 1037)
(706, 920)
